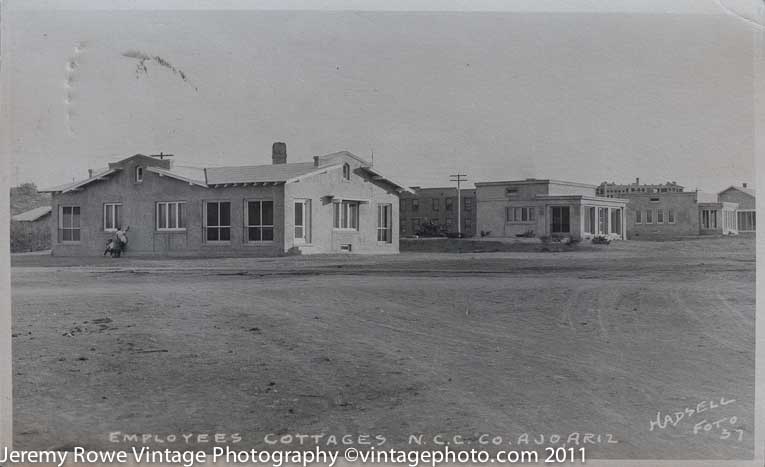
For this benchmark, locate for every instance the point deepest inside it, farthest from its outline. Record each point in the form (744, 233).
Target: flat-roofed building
(547, 208)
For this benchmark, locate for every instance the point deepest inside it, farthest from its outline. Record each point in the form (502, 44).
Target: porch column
(624, 223)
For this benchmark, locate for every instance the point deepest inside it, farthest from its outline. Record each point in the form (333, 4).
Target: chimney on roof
(744, 184)
(315, 161)
(637, 180)
(90, 174)
(279, 153)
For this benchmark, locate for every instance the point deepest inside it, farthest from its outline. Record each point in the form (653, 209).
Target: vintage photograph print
(371, 233)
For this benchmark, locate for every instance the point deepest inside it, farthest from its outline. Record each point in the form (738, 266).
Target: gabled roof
(32, 215)
(258, 173)
(248, 174)
(191, 175)
(379, 176)
(75, 185)
(747, 191)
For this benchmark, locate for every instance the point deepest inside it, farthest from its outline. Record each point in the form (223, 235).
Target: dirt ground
(474, 345)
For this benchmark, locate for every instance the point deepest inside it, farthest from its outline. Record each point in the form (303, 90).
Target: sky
(581, 96)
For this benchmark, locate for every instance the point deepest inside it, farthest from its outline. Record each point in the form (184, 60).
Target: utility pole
(458, 177)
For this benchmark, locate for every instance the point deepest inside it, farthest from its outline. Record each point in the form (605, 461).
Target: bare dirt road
(481, 346)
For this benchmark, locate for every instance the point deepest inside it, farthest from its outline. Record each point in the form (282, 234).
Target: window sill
(217, 243)
(336, 229)
(170, 231)
(259, 243)
(70, 242)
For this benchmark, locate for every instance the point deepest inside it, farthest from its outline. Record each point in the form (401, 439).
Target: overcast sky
(575, 96)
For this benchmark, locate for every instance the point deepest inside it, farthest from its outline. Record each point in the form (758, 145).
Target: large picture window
(747, 221)
(171, 215)
(112, 216)
(709, 218)
(561, 219)
(218, 221)
(589, 219)
(603, 221)
(69, 223)
(384, 223)
(259, 221)
(616, 221)
(346, 215)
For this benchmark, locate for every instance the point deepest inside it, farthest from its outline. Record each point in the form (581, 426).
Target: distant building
(614, 190)
(746, 215)
(335, 203)
(678, 214)
(438, 206)
(30, 230)
(550, 208)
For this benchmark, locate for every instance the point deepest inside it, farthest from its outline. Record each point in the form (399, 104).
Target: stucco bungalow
(336, 203)
(547, 208)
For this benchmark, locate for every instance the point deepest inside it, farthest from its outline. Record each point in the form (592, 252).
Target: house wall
(684, 205)
(744, 200)
(321, 189)
(139, 213)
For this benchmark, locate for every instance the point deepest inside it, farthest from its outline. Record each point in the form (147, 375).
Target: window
(384, 222)
(670, 216)
(436, 204)
(616, 221)
(709, 218)
(746, 221)
(69, 223)
(638, 216)
(659, 216)
(259, 221)
(346, 215)
(649, 216)
(510, 191)
(415, 225)
(560, 219)
(112, 216)
(603, 221)
(468, 204)
(415, 205)
(402, 227)
(589, 219)
(402, 205)
(218, 221)
(346, 171)
(171, 215)
(655, 200)
(139, 174)
(302, 221)
(468, 224)
(449, 203)
(520, 214)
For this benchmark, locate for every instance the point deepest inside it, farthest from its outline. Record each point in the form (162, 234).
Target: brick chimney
(744, 184)
(279, 153)
(90, 174)
(637, 180)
